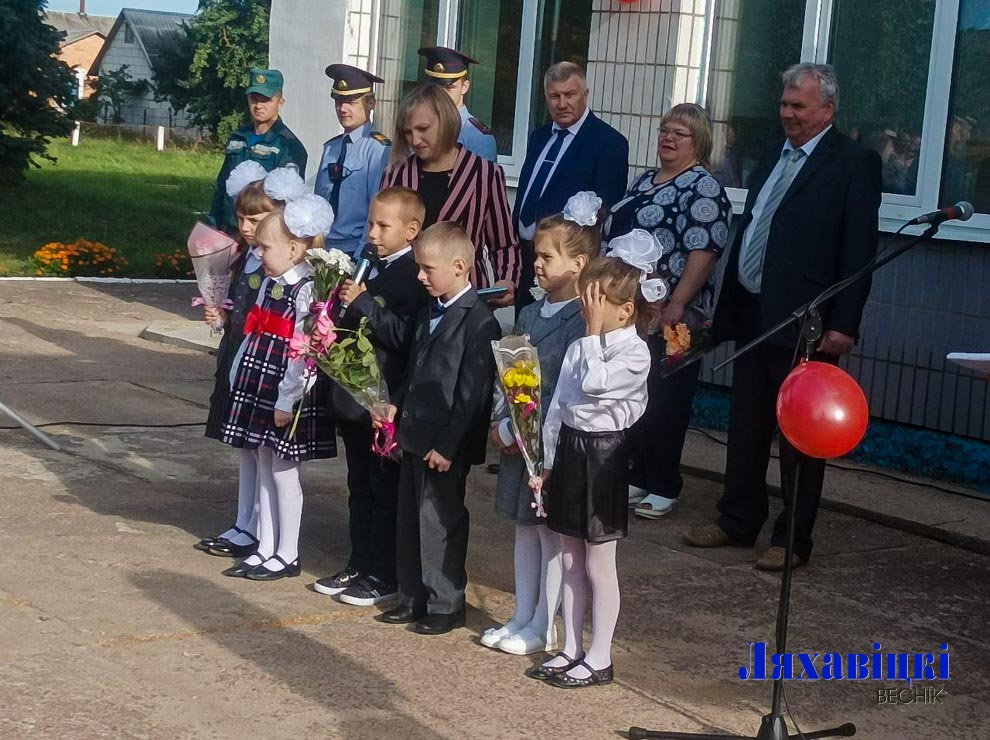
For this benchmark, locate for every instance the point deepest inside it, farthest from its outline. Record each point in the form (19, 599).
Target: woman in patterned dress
(687, 211)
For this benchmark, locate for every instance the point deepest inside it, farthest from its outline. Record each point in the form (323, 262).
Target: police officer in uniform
(266, 140)
(351, 169)
(449, 69)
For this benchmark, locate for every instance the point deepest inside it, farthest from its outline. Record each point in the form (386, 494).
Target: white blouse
(291, 387)
(602, 387)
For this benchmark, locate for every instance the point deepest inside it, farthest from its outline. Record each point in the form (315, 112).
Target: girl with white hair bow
(601, 393)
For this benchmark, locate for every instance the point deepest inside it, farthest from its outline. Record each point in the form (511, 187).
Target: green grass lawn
(124, 194)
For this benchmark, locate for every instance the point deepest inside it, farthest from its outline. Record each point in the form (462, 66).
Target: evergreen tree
(36, 89)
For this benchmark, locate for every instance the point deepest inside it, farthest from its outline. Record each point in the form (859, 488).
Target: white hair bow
(582, 208)
(641, 250)
(243, 175)
(308, 215)
(284, 184)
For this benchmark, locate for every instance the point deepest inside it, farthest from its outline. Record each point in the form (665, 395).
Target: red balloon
(821, 410)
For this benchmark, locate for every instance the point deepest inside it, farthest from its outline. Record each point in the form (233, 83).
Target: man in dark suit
(576, 151)
(811, 219)
(444, 407)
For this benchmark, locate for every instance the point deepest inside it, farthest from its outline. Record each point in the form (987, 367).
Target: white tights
(538, 573)
(280, 502)
(584, 564)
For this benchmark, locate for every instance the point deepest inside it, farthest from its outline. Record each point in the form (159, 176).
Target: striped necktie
(752, 256)
(527, 214)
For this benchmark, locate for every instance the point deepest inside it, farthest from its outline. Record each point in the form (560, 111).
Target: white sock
(527, 570)
(267, 504)
(575, 591)
(604, 606)
(288, 491)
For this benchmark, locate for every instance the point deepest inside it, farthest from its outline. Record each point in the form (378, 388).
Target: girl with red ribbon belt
(267, 387)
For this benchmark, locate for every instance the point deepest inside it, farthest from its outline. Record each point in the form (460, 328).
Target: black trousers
(432, 536)
(527, 275)
(657, 439)
(744, 505)
(373, 486)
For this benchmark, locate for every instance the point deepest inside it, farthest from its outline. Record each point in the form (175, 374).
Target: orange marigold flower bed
(177, 265)
(80, 259)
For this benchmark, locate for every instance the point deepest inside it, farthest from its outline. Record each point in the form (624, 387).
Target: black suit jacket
(597, 160)
(826, 228)
(391, 326)
(446, 401)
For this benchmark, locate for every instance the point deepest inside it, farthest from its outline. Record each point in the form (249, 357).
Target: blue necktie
(527, 214)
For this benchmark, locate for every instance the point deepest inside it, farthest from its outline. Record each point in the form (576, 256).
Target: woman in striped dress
(456, 185)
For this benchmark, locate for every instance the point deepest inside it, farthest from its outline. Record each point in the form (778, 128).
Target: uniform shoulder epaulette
(381, 138)
(481, 127)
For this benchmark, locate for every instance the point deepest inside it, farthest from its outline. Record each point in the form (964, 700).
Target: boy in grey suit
(442, 413)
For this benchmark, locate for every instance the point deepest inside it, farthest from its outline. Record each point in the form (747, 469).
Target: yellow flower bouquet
(519, 377)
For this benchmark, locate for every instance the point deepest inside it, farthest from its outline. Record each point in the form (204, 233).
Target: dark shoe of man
(440, 624)
(401, 615)
(774, 558)
(707, 535)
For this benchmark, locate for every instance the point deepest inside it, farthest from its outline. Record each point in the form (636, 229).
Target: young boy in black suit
(391, 299)
(442, 416)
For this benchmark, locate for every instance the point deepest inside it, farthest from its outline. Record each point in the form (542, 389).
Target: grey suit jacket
(551, 337)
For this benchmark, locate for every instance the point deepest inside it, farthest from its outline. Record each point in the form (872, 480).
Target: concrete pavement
(116, 627)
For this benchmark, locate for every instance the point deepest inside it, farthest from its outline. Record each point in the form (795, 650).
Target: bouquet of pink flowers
(346, 356)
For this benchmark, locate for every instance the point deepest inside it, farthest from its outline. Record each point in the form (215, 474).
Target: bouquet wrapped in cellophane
(519, 377)
(346, 356)
(211, 251)
(686, 342)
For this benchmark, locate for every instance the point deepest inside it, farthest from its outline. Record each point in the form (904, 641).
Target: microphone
(367, 256)
(961, 211)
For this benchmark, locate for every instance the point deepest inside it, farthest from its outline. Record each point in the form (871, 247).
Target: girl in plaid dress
(246, 185)
(266, 387)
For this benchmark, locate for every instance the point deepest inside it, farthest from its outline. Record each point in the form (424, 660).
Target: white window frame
(896, 208)
(447, 36)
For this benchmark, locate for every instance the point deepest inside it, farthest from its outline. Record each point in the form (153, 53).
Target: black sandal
(207, 542)
(546, 672)
(597, 678)
(224, 548)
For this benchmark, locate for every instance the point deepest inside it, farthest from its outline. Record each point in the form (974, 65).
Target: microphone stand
(773, 726)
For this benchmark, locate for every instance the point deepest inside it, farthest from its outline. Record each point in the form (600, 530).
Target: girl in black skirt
(248, 186)
(252, 204)
(600, 394)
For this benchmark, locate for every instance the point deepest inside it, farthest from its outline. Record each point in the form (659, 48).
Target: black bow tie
(437, 310)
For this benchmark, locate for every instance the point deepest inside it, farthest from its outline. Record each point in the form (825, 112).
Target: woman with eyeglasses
(687, 211)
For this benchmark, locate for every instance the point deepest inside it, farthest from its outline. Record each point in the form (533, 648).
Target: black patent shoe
(261, 573)
(596, 678)
(546, 672)
(206, 543)
(227, 549)
(238, 571)
(440, 624)
(401, 615)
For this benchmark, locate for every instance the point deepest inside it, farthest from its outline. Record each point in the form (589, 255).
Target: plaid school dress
(251, 417)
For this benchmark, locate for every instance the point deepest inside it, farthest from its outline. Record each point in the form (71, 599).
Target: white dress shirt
(291, 387)
(527, 231)
(253, 260)
(602, 387)
(548, 309)
(761, 200)
(436, 320)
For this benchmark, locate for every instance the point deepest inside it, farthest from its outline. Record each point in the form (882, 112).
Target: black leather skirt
(587, 494)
